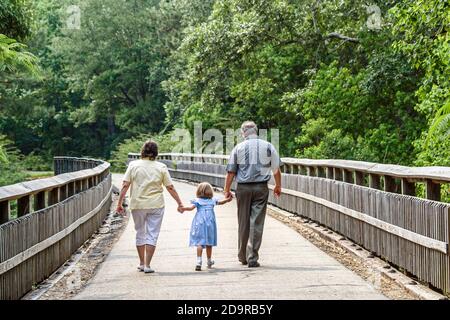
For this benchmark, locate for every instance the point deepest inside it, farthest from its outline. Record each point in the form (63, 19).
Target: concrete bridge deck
(292, 268)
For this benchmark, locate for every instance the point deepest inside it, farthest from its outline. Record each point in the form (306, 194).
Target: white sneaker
(210, 264)
(140, 268)
(148, 270)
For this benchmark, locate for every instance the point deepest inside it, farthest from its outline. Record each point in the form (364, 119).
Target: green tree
(15, 18)
(11, 167)
(253, 59)
(14, 58)
(424, 29)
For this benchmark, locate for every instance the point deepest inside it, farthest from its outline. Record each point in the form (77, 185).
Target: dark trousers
(252, 204)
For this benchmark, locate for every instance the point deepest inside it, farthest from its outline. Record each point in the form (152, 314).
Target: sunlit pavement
(291, 267)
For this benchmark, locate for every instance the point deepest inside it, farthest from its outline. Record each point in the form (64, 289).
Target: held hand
(277, 191)
(180, 208)
(228, 195)
(120, 210)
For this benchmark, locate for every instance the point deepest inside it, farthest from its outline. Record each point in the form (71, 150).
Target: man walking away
(251, 162)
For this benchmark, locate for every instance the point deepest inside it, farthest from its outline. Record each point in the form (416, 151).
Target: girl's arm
(190, 208)
(225, 200)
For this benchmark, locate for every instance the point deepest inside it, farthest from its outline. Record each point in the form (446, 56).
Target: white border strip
(24, 255)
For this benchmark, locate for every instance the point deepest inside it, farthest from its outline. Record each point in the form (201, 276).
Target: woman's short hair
(149, 150)
(205, 191)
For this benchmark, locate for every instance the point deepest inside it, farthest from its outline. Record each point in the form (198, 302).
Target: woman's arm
(175, 196)
(123, 192)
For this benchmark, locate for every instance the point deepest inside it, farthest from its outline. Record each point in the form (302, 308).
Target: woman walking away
(204, 230)
(146, 177)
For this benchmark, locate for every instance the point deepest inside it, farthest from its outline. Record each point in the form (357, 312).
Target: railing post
(348, 176)
(23, 205)
(359, 178)
(78, 186)
(337, 174)
(433, 191)
(55, 166)
(71, 189)
(389, 184)
(39, 201)
(321, 172)
(53, 196)
(63, 193)
(408, 188)
(85, 184)
(4, 211)
(330, 173)
(295, 169)
(374, 181)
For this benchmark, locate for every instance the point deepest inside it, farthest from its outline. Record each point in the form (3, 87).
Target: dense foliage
(11, 167)
(340, 79)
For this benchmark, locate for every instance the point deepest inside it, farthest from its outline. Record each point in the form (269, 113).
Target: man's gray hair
(249, 128)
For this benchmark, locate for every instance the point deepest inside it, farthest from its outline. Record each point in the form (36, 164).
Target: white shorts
(147, 223)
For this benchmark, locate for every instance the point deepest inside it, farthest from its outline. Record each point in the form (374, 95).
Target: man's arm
(228, 181)
(232, 168)
(276, 164)
(175, 196)
(123, 192)
(277, 188)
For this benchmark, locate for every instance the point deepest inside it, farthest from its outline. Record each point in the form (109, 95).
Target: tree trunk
(111, 124)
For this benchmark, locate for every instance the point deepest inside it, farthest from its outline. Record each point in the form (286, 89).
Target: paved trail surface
(292, 268)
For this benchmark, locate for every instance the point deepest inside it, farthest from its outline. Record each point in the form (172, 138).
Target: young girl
(204, 230)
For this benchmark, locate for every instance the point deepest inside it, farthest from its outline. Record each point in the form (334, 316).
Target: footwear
(243, 262)
(210, 264)
(140, 268)
(198, 268)
(253, 265)
(148, 270)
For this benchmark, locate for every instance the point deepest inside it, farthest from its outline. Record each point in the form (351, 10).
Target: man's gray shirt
(253, 160)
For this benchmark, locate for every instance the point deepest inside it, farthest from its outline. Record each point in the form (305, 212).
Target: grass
(33, 175)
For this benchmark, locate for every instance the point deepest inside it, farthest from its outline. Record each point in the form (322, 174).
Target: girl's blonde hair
(205, 190)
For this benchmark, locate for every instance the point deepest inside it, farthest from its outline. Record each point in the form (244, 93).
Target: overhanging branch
(342, 37)
(127, 97)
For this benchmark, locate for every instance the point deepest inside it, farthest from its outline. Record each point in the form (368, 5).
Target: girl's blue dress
(204, 228)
